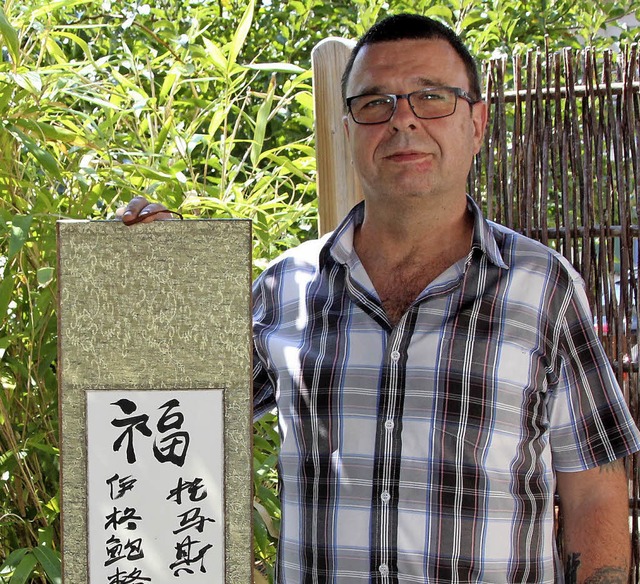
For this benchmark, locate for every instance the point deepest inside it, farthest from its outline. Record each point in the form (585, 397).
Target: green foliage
(266, 524)
(21, 564)
(206, 107)
(95, 111)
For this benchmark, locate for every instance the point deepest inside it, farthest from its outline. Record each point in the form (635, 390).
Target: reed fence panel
(561, 164)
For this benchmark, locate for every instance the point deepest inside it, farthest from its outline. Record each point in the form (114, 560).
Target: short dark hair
(413, 26)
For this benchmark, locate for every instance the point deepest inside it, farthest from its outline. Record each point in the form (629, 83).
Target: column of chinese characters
(189, 551)
(120, 549)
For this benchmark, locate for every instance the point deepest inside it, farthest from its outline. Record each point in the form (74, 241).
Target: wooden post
(338, 185)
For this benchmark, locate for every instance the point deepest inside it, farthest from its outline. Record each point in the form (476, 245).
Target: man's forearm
(596, 526)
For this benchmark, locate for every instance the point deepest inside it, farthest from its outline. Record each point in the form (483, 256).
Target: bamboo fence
(561, 164)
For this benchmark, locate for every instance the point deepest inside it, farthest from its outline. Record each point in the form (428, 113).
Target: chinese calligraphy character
(184, 558)
(119, 486)
(122, 577)
(128, 516)
(132, 550)
(173, 447)
(192, 518)
(138, 423)
(191, 487)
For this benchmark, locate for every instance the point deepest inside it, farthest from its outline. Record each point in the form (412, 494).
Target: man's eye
(432, 96)
(376, 102)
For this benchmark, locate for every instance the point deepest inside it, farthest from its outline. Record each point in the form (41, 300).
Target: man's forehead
(378, 50)
(419, 62)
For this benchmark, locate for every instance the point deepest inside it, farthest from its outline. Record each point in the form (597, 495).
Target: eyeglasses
(427, 104)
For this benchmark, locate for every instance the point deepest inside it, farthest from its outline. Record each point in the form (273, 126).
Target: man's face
(408, 156)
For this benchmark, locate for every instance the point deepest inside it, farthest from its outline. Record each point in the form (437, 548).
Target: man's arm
(595, 508)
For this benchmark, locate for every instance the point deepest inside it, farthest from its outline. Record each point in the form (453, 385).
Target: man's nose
(403, 115)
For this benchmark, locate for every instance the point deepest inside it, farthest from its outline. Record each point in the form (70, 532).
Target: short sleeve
(263, 389)
(590, 422)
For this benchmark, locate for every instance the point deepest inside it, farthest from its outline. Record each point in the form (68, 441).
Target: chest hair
(400, 286)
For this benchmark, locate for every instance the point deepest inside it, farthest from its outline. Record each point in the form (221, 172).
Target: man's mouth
(406, 155)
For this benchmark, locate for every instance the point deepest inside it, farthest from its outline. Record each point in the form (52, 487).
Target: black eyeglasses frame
(457, 92)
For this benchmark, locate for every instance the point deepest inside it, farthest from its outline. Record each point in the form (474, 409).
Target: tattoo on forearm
(571, 569)
(608, 575)
(605, 575)
(615, 466)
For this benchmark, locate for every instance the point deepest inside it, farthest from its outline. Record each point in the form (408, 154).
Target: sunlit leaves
(19, 234)
(10, 37)
(241, 33)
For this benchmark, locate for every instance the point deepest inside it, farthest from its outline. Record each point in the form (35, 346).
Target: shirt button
(385, 496)
(395, 356)
(384, 569)
(389, 424)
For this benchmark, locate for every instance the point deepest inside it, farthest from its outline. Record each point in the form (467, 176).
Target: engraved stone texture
(156, 306)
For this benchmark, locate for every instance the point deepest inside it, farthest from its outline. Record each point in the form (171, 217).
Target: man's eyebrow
(419, 81)
(427, 82)
(371, 89)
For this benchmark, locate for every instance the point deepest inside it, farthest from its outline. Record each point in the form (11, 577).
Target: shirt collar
(483, 236)
(339, 245)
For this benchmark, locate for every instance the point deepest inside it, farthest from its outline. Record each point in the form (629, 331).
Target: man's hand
(595, 507)
(139, 210)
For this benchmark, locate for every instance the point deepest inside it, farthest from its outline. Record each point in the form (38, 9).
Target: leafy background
(205, 106)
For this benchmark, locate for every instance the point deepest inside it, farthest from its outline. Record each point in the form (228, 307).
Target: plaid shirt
(426, 452)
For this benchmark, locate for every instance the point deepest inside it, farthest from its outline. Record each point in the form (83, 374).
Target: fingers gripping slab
(139, 210)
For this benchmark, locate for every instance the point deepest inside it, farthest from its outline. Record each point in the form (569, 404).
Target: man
(436, 376)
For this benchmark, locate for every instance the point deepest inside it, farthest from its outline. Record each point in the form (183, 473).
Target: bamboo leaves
(50, 562)
(216, 55)
(93, 113)
(241, 33)
(261, 122)
(19, 234)
(20, 565)
(10, 37)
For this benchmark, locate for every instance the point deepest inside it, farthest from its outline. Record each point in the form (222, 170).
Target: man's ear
(479, 114)
(345, 123)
